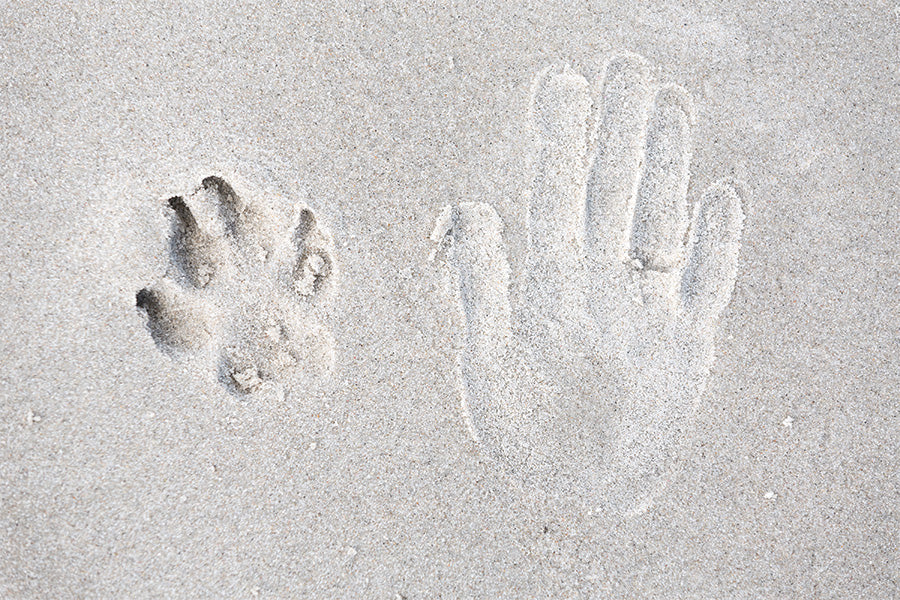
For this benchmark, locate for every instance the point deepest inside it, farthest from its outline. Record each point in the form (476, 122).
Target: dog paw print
(586, 379)
(248, 287)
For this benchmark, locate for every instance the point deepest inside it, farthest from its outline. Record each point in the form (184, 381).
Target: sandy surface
(130, 470)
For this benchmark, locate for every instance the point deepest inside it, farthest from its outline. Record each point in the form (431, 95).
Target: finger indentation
(476, 249)
(561, 102)
(623, 96)
(561, 108)
(711, 270)
(483, 275)
(660, 212)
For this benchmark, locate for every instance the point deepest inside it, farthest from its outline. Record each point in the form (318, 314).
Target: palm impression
(248, 289)
(587, 379)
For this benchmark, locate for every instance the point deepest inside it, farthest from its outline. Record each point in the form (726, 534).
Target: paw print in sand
(248, 288)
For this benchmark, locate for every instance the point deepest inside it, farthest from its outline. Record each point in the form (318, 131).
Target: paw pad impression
(248, 287)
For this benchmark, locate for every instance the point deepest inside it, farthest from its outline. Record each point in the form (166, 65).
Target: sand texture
(466, 300)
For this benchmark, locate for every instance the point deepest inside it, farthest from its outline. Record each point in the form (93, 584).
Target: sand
(339, 301)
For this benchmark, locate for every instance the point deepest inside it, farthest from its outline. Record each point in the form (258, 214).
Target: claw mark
(147, 300)
(442, 234)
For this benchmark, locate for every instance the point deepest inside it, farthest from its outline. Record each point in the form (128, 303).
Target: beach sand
(130, 467)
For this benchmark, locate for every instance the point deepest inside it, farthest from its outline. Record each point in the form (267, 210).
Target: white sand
(132, 469)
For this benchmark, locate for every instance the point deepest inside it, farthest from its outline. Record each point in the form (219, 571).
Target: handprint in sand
(588, 379)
